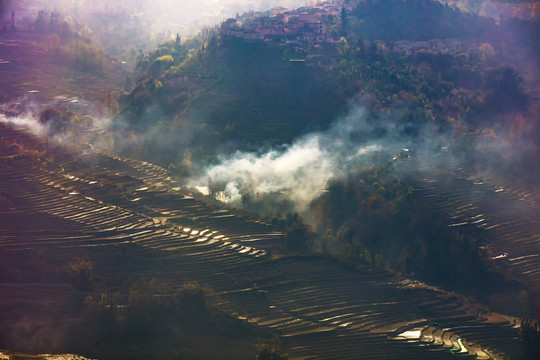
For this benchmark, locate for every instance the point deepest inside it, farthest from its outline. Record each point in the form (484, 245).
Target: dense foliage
(236, 95)
(298, 235)
(270, 350)
(530, 331)
(148, 309)
(154, 319)
(391, 20)
(374, 217)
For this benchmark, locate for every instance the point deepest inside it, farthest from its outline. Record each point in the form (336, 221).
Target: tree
(343, 17)
(530, 332)
(52, 118)
(40, 25)
(81, 274)
(270, 350)
(503, 90)
(110, 104)
(298, 236)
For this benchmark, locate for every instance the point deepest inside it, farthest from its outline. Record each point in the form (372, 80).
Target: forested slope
(236, 95)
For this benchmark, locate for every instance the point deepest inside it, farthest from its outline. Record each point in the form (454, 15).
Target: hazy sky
(207, 12)
(184, 16)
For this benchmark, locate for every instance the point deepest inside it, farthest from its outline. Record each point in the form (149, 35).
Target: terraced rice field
(10, 355)
(100, 205)
(29, 69)
(506, 217)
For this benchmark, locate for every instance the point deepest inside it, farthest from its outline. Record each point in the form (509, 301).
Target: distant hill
(415, 20)
(233, 94)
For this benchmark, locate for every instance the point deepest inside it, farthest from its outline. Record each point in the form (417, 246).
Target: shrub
(81, 274)
(270, 350)
(298, 236)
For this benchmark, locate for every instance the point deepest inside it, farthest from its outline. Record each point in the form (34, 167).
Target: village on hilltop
(303, 24)
(318, 24)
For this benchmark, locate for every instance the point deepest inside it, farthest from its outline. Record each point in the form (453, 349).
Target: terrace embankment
(503, 215)
(130, 221)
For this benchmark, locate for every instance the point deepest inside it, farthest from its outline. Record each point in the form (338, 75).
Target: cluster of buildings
(303, 24)
(312, 24)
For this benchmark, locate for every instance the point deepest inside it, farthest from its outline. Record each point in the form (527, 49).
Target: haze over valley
(239, 179)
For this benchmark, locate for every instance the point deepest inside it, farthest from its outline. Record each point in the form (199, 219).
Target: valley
(347, 179)
(117, 214)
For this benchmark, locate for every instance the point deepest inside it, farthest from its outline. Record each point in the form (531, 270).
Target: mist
(300, 172)
(67, 128)
(154, 20)
(292, 176)
(26, 122)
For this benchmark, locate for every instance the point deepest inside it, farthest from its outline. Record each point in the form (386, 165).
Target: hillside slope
(115, 213)
(233, 94)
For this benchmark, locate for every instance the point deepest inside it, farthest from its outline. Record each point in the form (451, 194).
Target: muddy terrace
(131, 221)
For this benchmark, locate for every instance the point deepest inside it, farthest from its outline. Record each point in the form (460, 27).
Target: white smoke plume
(299, 171)
(26, 122)
(79, 132)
